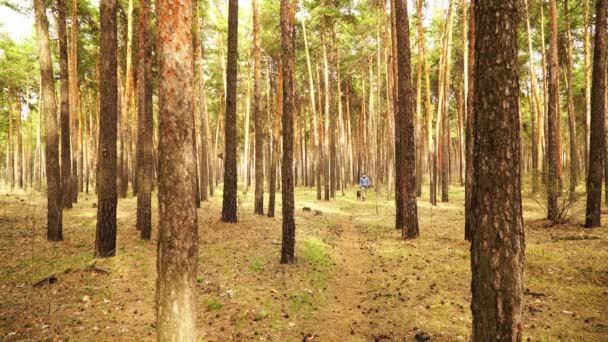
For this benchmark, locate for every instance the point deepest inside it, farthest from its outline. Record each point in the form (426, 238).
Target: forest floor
(354, 280)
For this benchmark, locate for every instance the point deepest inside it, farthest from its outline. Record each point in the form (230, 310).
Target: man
(364, 183)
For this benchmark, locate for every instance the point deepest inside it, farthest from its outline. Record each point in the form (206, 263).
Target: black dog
(358, 195)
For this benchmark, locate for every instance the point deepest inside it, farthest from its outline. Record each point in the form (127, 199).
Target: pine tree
(497, 250)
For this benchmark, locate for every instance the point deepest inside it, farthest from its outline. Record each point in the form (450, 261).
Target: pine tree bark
(19, 133)
(316, 151)
(257, 114)
(74, 100)
(587, 87)
(598, 109)
(229, 208)
(404, 115)
(49, 108)
(64, 111)
(204, 162)
(178, 231)
(287, 183)
(553, 181)
(145, 160)
(497, 250)
(275, 143)
(571, 113)
(11, 143)
(105, 239)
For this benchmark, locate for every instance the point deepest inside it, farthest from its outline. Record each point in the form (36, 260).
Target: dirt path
(342, 318)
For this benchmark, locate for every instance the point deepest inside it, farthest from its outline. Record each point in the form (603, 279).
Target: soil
(355, 279)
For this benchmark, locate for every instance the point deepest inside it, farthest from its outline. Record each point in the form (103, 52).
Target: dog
(358, 195)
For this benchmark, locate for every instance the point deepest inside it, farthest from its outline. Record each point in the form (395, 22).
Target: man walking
(364, 183)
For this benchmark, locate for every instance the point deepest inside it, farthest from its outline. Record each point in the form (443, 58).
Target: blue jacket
(364, 182)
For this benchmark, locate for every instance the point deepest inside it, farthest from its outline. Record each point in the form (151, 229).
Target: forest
(303, 170)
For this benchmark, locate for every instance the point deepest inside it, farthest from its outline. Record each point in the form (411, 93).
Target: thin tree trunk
(257, 114)
(470, 128)
(229, 205)
(287, 184)
(598, 108)
(275, 142)
(145, 127)
(587, 83)
(74, 100)
(105, 239)
(326, 98)
(49, 108)
(553, 156)
(317, 151)
(571, 114)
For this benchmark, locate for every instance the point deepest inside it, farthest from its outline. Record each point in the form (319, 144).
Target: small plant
(257, 266)
(566, 203)
(214, 304)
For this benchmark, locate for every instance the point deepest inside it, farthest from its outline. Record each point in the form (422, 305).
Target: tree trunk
(74, 100)
(470, 127)
(598, 108)
(497, 250)
(587, 83)
(553, 181)
(49, 108)
(571, 113)
(316, 151)
(404, 136)
(229, 207)
(105, 239)
(327, 100)
(206, 178)
(64, 112)
(287, 184)
(145, 127)
(178, 233)
(11, 143)
(275, 143)
(257, 114)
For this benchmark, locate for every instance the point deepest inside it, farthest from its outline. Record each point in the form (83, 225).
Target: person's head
(363, 175)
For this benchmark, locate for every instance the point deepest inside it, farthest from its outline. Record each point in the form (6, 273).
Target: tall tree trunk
(287, 184)
(125, 103)
(317, 151)
(145, 127)
(404, 136)
(553, 181)
(598, 108)
(49, 108)
(470, 128)
(535, 111)
(246, 127)
(74, 100)
(327, 100)
(19, 133)
(571, 114)
(11, 143)
(105, 239)
(257, 114)
(587, 83)
(445, 118)
(178, 230)
(205, 166)
(64, 112)
(230, 176)
(497, 250)
(275, 143)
